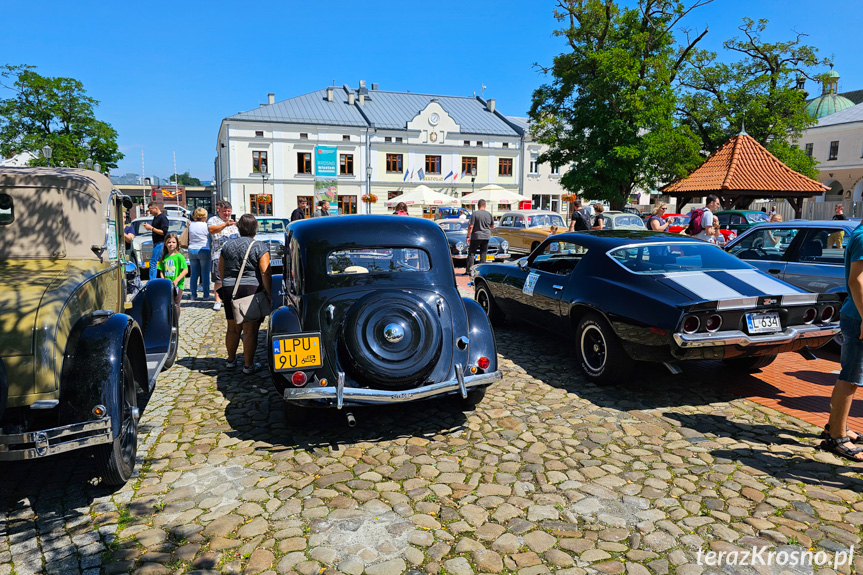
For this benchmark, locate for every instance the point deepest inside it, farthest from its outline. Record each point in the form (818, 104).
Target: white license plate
(276, 262)
(763, 322)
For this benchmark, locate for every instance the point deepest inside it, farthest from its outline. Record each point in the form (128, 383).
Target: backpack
(582, 220)
(695, 216)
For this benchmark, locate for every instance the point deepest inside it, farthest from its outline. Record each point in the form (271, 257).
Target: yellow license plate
(301, 351)
(146, 264)
(488, 258)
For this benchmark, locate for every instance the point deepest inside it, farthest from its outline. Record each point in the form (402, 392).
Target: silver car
(142, 245)
(621, 221)
(271, 231)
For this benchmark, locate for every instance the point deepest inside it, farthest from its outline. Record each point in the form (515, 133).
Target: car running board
(673, 368)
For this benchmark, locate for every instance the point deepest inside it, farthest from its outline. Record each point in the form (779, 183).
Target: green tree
(609, 109)
(56, 112)
(184, 179)
(757, 90)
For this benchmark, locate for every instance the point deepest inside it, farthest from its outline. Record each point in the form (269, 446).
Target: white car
(271, 230)
(142, 245)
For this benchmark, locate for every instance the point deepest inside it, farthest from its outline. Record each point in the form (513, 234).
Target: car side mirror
(127, 202)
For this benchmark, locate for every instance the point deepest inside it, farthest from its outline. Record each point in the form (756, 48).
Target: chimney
(330, 94)
(271, 98)
(362, 99)
(351, 98)
(491, 105)
(374, 86)
(362, 84)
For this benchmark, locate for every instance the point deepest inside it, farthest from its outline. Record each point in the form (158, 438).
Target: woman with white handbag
(244, 266)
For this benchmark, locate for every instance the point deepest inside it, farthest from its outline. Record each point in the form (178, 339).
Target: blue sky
(167, 73)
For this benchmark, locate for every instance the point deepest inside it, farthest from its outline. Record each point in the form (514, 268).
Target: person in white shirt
(199, 253)
(708, 220)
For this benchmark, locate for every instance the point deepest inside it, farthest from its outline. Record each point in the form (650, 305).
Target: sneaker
(231, 364)
(250, 369)
(217, 306)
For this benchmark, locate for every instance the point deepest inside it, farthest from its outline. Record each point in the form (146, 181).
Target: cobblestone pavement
(549, 474)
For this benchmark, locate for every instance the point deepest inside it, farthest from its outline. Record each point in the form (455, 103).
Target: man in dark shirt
(300, 212)
(478, 235)
(160, 230)
(839, 212)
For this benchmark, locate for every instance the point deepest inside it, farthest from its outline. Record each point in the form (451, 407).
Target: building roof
(855, 96)
(523, 123)
(846, 116)
(828, 104)
(740, 165)
(381, 109)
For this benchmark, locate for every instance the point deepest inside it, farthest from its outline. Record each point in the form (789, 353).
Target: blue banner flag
(326, 162)
(421, 174)
(448, 176)
(406, 175)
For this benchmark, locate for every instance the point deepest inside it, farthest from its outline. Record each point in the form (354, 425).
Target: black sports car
(456, 236)
(371, 314)
(628, 295)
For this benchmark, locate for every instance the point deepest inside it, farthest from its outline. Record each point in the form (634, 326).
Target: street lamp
(89, 163)
(80, 165)
(97, 167)
(264, 176)
(47, 151)
(368, 188)
(472, 178)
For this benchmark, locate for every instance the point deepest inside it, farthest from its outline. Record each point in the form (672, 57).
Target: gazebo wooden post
(797, 204)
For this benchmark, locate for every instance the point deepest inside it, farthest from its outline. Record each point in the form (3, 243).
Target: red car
(680, 221)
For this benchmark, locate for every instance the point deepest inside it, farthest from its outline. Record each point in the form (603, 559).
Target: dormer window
(259, 133)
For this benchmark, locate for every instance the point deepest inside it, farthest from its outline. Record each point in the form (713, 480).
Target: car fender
(277, 291)
(92, 371)
(481, 334)
(153, 310)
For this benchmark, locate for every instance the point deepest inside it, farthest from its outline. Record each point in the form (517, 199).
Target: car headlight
(504, 246)
(460, 246)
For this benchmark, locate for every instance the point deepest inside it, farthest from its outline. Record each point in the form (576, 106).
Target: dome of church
(829, 102)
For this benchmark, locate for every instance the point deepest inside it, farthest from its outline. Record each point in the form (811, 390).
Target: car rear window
(377, 260)
(272, 226)
(454, 226)
(675, 258)
(545, 220)
(756, 217)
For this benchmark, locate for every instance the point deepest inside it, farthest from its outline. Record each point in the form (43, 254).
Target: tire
(294, 414)
(174, 344)
(600, 354)
(117, 460)
(474, 397)
(482, 296)
(747, 364)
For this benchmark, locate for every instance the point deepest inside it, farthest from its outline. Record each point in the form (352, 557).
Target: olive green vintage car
(75, 351)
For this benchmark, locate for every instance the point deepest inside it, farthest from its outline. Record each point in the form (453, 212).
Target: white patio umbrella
(425, 196)
(493, 194)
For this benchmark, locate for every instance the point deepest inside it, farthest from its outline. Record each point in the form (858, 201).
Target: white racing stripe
(703, 285)
(764, 283)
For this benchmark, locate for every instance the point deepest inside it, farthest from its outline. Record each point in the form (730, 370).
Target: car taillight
(483, 362)
(809, 315)
(713, 323)
(827, 313)
(690, 324)
(299, 378)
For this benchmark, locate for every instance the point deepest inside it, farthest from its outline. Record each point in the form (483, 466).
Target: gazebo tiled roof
(740, 171)
(743, 165)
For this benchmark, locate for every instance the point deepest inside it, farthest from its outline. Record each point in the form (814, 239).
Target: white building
(387, 143)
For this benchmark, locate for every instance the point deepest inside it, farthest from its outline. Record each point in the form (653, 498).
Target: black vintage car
(371, 314)
(628, 295)
(456, 236)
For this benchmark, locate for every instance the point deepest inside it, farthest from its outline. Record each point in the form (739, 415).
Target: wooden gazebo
(741, 171)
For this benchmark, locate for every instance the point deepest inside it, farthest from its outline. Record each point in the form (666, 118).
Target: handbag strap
(242, 269)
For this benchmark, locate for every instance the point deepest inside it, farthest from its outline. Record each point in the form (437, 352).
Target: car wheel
(474, 397)
(602, 357)
(174, 344)
(747, 364)
(294, 414)
(391, 339)
(483, 297)
(117, 459)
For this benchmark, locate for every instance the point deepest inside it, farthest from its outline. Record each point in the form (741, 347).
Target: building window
(534, 166)
(808, 149)
(468, 164)
(304, 136)
(346, 164)
(432, 164)
(264, 208)
(506, 144)
(479, 144)
(393, 194)
(346, 138)
(259, 133)
(398, 140)
(834, 150)
(259, 162)
(555, 170)
(394, 163)
(304, 163)
(467, 142)
(387, 139)
(504, 167)
(347, 204)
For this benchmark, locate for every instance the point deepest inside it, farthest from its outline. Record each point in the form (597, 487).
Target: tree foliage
(758, 90)
(185, 179)
(609, 109)
(56, 112)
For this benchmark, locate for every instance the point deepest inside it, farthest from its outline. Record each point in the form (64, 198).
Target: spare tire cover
(391, 339)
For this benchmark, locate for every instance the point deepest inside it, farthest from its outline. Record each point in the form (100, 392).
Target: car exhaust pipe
(672, 368)
(352, 421)
(807, 353)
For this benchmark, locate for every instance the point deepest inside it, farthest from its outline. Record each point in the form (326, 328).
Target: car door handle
(774, 271)
(557, 287)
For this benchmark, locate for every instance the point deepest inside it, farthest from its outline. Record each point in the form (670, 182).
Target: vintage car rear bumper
(739, 338)
(47, 442)
(341, 395)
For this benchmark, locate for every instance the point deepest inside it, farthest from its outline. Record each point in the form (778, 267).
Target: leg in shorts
(851, 358)
(226, 293)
